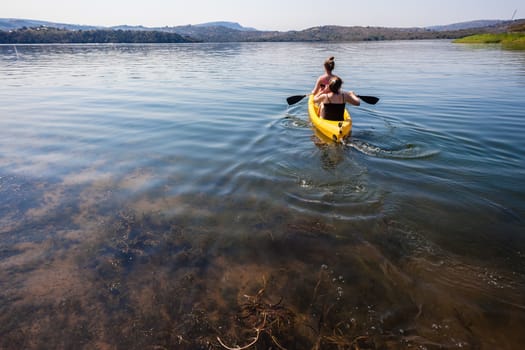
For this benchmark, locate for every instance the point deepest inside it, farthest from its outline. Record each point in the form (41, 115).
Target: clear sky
(263, 14)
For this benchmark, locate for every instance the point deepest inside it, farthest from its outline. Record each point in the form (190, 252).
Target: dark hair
(335, 84)
(329, 64)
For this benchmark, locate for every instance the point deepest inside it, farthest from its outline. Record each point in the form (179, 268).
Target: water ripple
(408, 151)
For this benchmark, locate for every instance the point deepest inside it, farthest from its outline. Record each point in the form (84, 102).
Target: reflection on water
(137, 211)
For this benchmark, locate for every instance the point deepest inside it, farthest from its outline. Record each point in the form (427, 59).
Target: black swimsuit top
(334, 111)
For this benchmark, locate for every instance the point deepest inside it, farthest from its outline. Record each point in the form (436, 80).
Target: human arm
(317, 87)
(352, 98)
(320, 98)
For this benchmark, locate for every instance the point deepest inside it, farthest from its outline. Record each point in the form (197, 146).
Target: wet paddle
(294, 99)
(371, 100)
(368, 99)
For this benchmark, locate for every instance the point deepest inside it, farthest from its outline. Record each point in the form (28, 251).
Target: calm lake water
(165, 196)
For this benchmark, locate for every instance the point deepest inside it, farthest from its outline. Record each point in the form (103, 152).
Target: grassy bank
(507, 40)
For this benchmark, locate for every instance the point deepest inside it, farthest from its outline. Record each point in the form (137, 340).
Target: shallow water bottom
(90, 267)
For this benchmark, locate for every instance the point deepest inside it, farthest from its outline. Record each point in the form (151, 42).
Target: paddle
(294, 99)
(371, 100)
(368, 99)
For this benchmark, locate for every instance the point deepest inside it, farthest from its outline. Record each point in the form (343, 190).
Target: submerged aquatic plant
(263, 317)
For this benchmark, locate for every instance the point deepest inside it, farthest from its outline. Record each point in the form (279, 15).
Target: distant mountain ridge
(231, 25)
(41, 31)
(466, 25)
(17, 23)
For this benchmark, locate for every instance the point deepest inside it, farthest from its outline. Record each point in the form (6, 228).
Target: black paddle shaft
(368, 99)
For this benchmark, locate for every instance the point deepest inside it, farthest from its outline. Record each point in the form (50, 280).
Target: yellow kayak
(334, 130)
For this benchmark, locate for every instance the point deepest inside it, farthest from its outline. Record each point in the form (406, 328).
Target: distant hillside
(466, 25)
(39, 31)
(45, 35)
(518, 26)
(181, 29)
(231, 25)
(219, 33)
(15, 23)
(335, 33)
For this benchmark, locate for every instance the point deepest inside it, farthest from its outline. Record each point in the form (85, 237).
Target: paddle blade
(294, 99)
(369, 99)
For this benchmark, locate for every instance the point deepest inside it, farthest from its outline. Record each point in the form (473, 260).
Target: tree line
(182, 34)
(46, 35)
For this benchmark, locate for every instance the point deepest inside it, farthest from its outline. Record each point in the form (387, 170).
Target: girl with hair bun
(321, 85)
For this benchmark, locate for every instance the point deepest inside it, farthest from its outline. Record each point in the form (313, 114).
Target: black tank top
(334, 111)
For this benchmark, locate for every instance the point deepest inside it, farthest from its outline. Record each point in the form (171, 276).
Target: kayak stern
(336, 131)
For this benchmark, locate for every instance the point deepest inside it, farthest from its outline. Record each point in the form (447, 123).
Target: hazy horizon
(268, 15)
(233, 22)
